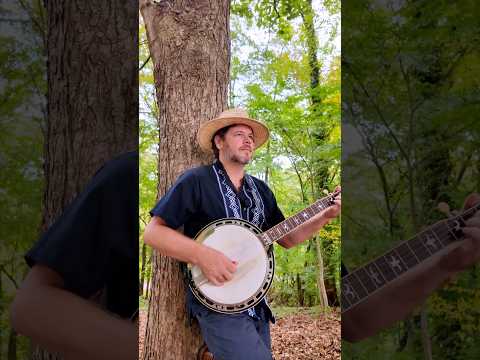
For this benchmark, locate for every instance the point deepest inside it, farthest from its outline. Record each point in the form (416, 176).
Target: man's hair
(221, 132)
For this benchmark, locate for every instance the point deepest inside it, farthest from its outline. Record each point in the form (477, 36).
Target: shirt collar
(218, 164)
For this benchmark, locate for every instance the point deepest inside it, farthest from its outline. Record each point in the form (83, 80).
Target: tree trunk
(12, 345)
(2, 309)
(142, 271)
(147, 290)
(426, 341)
(92, 96)
(300, 291)
(312, 46)
(322, 292)
(189, 42)
(267, 168)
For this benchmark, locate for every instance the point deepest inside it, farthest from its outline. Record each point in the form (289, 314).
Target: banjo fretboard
(278, 231)
(359, 284)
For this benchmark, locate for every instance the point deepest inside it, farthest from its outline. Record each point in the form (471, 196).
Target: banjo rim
(261, 292)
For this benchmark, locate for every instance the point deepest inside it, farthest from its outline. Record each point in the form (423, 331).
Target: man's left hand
(468, 253)
(334, 210)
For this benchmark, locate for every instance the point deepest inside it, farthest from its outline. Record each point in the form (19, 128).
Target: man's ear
(218, 141)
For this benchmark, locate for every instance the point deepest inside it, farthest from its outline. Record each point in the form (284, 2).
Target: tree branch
(144, 63)
(12, 279)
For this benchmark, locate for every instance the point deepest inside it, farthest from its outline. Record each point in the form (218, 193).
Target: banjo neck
(359, 284)
(278, 231)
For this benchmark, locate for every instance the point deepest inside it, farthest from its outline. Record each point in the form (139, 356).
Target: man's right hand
(216, 267)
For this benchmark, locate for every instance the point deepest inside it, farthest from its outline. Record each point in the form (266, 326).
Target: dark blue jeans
(236, 336)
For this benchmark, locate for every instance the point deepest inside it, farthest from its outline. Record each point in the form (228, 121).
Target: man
(222, 190)
(397, 300)
(82, 288)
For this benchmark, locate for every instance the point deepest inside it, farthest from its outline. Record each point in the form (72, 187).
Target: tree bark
(92, 94)
(92, 97)
(189, 42)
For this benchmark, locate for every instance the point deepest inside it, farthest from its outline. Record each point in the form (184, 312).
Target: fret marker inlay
(395, 263)
(374, 275)
(431, 241)
(349, 291)
(456, 226)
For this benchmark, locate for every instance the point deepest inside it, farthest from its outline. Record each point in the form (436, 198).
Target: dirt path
(307, 337)
(299, 337)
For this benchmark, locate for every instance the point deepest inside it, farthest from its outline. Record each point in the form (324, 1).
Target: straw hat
(227, 118)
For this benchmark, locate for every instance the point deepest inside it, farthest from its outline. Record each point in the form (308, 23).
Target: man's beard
(236, 159)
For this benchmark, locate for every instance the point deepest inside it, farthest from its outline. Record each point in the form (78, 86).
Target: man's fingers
(232, 266)
(471, 247)
(216, 281)
(227, 276)
(471, 200)
(473, 222)
(462, 257)
(220, 279)
(472, 233)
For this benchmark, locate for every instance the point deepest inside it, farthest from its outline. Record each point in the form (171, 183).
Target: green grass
(282, 311)
(279, 311)
(142, 303)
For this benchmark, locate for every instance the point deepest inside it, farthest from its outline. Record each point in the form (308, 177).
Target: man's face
(237, 145)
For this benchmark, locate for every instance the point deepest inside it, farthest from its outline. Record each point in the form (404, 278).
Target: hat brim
(209, 128)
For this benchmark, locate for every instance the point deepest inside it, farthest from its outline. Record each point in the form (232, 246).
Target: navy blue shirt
(205, 194)
(344, 270)
(93, 245)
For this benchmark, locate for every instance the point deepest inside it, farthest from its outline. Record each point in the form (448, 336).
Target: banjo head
(238, 240)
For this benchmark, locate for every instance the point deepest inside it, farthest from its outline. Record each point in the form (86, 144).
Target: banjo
(440, 237)
(251, 248)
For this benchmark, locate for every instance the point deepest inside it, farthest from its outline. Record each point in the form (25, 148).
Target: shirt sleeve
(78, 244)
(275, 215)
(344, 270)
(180, 203)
